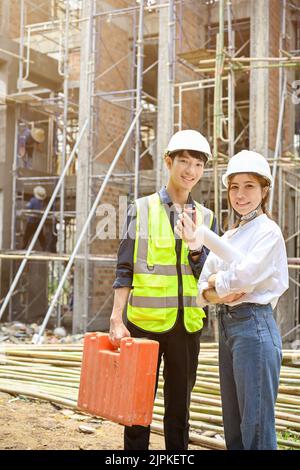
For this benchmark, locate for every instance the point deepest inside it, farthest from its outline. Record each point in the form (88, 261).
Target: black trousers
(180, 351)
(29, 231)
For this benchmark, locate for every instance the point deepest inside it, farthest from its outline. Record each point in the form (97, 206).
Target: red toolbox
(118, 385)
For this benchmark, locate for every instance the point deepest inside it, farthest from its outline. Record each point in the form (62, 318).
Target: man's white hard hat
(38, 134)
(248, 161)
(189, 140)
(39, 192)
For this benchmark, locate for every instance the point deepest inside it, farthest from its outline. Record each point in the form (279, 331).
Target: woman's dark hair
(264, 203)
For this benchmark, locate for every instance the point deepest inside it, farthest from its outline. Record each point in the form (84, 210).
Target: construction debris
(17, 333)
(86, 429)
(60, 332)
(51, 372)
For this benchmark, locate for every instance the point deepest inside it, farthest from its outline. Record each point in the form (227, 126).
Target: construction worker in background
(26, 142)
(156, 279)
(248, 291)
(36, 203)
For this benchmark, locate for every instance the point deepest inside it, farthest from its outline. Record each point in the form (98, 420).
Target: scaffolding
(77, 123)
(56, 114)
(61, 29)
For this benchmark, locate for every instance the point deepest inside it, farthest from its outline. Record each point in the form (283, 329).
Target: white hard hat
(38, 134)
(248, 161)
(39, 192)
(189, 140)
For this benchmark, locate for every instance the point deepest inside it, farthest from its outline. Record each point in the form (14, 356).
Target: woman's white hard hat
(189, 140)
(248, 161)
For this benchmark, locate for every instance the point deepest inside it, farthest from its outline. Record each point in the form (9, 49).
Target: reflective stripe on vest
(153, 302)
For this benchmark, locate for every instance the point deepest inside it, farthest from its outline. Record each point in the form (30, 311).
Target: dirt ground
(27, 424)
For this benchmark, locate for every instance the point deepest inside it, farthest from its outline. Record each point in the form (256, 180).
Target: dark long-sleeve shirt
(124, 270)
(37, 205)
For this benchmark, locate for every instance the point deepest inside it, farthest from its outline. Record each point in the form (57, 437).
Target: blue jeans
(249, 359)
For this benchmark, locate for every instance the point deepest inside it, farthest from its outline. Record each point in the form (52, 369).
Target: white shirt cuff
(201, 301)
(195, 245)
(222, 288)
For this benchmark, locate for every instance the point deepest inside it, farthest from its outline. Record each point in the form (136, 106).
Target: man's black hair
(193, 153)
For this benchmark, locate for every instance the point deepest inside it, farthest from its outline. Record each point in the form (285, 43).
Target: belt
(226, 309)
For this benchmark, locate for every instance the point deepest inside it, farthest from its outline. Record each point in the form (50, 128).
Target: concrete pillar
(259, 78)
(81, 300)
(7, 129)
(4, 18)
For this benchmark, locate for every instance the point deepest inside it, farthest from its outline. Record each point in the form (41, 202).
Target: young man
(156, 280)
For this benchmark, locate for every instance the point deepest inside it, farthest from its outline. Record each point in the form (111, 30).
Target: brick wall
(74, 65)
(111, 124)
(102, 298)
(112, 119)
(35, 12)
(110, 201)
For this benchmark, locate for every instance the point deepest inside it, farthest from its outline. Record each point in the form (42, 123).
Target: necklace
(250, 216)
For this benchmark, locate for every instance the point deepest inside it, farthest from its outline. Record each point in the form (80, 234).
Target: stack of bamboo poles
(52, 373)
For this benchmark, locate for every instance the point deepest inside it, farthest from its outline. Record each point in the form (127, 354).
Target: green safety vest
(153, 300)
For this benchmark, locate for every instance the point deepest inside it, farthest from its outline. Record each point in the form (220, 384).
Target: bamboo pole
(49, 380)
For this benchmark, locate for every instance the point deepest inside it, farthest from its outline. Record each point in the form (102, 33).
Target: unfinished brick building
(109, 81)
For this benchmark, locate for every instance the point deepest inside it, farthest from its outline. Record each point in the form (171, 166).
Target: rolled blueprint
(217, 245)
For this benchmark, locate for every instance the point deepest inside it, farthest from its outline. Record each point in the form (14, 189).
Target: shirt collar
(165, 197)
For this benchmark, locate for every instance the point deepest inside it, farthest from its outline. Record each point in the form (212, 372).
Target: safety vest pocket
(151, 280)
(150, 312)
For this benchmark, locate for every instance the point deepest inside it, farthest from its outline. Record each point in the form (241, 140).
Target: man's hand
(117, 331)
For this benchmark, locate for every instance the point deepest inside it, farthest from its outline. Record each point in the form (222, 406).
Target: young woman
(249, 341)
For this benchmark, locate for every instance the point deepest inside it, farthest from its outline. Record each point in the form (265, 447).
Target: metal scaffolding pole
(65, 74)
(218, 105)
(21, 47)
(278, 139)
(282, 96)
(231, 85)
(138, 100)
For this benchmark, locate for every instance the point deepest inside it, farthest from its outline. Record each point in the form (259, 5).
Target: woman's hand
(228, 298)
(212, 280)
(232, 298)
(186, 229)
(212, 297)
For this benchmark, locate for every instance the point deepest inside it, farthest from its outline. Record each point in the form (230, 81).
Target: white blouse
(263, 273)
